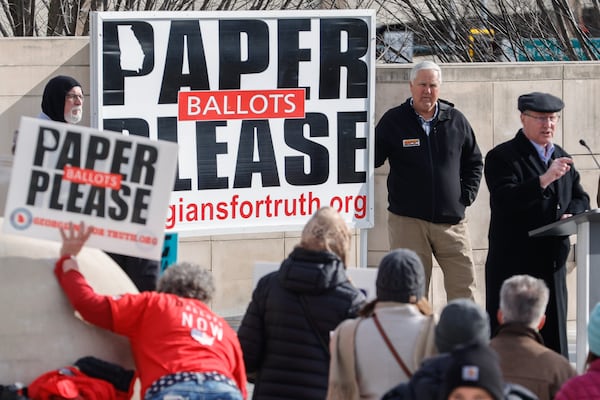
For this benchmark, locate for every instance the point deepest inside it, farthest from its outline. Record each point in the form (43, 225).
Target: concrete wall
(486, 93)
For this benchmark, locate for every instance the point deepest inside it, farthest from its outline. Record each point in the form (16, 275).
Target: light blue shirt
(44, 116)
(543, 153)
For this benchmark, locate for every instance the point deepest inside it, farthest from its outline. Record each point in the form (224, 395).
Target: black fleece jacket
(432, 177)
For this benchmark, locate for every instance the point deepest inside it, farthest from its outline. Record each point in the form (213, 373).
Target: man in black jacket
(532, 183)
(435, 172)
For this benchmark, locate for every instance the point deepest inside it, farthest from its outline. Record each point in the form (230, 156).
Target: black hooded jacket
(280, 346)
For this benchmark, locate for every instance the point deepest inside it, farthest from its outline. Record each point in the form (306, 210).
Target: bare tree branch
(447, 30)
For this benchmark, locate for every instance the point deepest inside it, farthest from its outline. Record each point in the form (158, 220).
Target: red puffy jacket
(70, 384)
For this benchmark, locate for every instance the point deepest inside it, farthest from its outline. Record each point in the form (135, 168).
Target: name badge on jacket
(411, 142)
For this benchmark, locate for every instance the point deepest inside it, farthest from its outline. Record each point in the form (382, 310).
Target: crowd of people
(308, 331)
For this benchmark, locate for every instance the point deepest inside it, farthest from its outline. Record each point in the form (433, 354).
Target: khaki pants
(450, 244)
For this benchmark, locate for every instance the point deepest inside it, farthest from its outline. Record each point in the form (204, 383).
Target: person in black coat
(532, 183)
(285, 331)
(435, 169)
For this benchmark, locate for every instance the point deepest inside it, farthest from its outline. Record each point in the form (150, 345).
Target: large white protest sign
(272, 110)
(66, 173)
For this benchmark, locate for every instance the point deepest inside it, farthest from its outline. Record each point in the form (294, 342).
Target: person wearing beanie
(395, 333)
(587, 385)
(523, 357)
(532, 182)
(473, 374)
(461, 321)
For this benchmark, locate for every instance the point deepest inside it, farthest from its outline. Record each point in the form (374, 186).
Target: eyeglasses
(73, 96)
(551, 118)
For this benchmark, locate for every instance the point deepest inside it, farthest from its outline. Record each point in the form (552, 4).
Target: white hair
(523, 299)
(426, 65)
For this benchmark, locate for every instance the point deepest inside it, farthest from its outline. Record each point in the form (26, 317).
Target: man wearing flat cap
(532, 183)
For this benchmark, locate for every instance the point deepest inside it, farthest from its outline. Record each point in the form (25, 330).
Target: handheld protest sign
(66, 173)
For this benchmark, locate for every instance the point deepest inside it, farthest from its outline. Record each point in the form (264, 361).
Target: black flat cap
(540, 102)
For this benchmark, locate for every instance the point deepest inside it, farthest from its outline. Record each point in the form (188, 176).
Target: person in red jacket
(586, 386)
(180, 347)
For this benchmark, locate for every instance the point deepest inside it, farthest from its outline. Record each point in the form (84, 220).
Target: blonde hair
(326, 230)
(426, 65)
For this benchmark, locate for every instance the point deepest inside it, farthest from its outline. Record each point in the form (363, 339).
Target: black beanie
(476, 365)
(53, 99)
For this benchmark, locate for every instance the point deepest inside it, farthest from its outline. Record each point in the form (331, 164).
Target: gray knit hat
(401, 277)
(462, 321)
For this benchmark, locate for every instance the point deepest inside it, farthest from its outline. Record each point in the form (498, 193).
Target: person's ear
(500, 317)
(541, 323)
(522, 118)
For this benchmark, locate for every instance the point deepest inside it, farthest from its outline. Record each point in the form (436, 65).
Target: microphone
(584, 144)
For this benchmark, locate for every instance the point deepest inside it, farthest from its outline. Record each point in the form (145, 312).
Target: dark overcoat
(518, 205)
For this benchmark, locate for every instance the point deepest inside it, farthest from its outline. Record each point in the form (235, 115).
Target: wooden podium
(587, 257)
